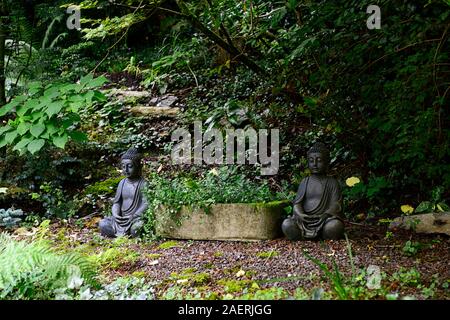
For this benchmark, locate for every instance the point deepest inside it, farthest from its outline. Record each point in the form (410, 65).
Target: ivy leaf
(60, 141)
(424, 206)
(35, 145)
(37, 129)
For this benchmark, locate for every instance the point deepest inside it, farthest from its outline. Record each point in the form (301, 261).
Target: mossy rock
(106, 187)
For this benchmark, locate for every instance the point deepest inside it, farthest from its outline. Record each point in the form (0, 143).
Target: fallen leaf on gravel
(332, 253)
(93, 222)
(240, 273)
(181, 281)
(25, 232)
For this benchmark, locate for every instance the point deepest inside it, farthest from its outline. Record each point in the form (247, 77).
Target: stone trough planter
(261, 221)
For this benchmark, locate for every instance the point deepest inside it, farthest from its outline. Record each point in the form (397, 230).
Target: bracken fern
(34, 271)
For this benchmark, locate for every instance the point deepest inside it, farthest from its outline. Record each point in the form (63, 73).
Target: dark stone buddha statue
(129, 203)
(317, 210)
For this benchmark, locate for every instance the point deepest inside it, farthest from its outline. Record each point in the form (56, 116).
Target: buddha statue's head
(131, 163)
(318, 158)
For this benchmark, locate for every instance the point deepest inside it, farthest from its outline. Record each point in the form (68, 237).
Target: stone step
(155, 111)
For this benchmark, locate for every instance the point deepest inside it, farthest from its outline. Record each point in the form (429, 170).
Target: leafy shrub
(34, 271)
(48, 114)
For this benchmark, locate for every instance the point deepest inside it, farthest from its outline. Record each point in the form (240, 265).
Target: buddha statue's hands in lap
(317, 211)
(129, 204)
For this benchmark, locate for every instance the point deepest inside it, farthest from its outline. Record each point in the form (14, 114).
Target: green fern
(34, 271)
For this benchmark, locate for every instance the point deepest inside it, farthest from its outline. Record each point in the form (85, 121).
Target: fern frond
(33, 270)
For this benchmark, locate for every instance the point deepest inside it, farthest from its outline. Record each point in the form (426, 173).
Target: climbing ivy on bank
(48, 114)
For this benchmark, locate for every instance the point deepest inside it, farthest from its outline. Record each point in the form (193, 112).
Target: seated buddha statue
(129, 203)
(317, 210)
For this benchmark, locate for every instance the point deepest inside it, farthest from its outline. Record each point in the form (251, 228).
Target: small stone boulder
(424, 223)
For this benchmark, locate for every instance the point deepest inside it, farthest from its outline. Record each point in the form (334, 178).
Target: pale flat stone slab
(224, 222)
(155, 111)
(128, 94)
(424, 223)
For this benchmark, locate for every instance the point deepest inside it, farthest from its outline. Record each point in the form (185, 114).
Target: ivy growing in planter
(218, 185)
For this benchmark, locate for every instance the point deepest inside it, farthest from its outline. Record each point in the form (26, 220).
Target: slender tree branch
(218, 40)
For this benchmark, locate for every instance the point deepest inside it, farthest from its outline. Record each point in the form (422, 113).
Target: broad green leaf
(11, 136)
(86, 79)
(3, 142)
(97, 82)
(14, 103)
(60, 141)
(88, 96)
(29, 105)
(51, 128)
(54, 108)
(78, 136)
(23, 127)
(76, 98)
(75, 106)
(98, 96)
(35, 145)
(38, 116)
(7, 108)
(37, 129)
(22, 144)
(4, 129)
(34, 87)
(52, 92)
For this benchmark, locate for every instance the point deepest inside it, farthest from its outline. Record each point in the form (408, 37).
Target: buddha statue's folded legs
(333, 229)
(108, 229)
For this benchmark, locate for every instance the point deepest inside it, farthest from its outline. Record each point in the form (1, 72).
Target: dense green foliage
(312, 69)
(224, 185)
(48, 114)
(34, 271)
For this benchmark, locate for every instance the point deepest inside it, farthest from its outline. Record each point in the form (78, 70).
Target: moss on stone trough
(233, 221)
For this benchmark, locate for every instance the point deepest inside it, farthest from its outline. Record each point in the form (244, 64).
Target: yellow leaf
(407, 209)
(352, 181)
(182, 281)
(240, 273)
(440, 208)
